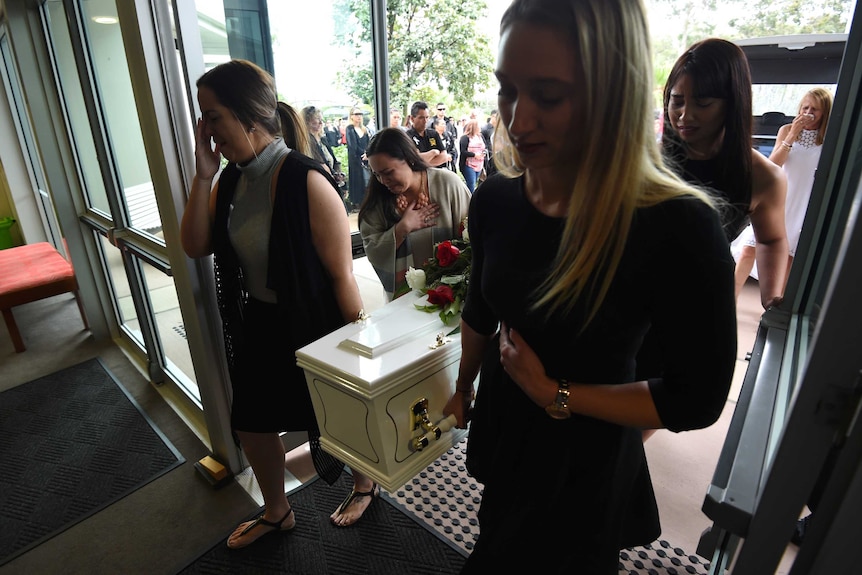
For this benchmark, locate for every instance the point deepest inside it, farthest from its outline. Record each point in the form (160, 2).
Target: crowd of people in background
(429, 128)
(466, 146)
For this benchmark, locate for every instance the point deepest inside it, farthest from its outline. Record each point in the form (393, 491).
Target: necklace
(401, 202)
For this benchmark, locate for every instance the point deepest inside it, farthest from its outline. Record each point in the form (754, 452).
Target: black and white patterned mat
(444, 498)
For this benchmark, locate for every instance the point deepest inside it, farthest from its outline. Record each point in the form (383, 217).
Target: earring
(252, 129)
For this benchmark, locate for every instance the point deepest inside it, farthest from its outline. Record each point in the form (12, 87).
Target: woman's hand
(800, 122)
(459, 404)
(207, 159)
(524, 367)
(425, 217)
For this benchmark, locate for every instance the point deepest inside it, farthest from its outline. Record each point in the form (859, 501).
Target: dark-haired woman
(272, 213)
(356, 136)
(707, 140)
(408, 208)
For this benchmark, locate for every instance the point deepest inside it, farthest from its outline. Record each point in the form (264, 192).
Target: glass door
(118, 204)
(795, 443)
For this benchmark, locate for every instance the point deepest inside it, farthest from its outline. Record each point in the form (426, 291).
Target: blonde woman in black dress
(570, 269)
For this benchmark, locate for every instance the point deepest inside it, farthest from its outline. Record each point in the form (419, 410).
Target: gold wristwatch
(560, 408)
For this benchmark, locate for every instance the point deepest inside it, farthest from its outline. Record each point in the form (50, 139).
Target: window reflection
(117, 100)
(72, 98)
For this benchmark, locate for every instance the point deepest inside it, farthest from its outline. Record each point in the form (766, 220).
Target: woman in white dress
(797, 150)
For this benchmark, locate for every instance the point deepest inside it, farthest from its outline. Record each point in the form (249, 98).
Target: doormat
(444, 498)
(71, 443)
(383, 542)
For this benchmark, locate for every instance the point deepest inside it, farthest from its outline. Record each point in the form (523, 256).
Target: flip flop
(276, 526)
(375, 491)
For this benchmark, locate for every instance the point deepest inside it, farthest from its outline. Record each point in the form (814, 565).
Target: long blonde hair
(619, 167)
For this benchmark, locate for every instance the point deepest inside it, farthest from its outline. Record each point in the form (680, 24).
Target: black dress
(735, 214)
(566, 496)
(357, 174)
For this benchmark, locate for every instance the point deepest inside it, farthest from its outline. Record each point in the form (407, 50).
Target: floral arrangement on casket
(444, 278)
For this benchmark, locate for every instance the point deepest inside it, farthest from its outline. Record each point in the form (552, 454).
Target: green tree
(781, 17)
(435, 48)
(692, 20)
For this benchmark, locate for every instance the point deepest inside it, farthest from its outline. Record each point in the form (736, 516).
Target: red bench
(30, 273)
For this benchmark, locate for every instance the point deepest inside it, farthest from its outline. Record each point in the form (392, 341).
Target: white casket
(379, 387)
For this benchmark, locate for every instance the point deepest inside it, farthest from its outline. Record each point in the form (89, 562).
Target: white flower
(464, 235)
(416, 279)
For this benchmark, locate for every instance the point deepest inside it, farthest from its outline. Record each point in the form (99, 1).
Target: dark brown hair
(717, 69)
(395, 143)
(248, 91)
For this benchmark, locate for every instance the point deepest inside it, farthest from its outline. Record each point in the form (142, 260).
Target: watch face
(557, 411)
(560, 408)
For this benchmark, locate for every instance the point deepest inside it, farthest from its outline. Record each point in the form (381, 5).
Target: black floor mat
(385, 541)
(71, 443)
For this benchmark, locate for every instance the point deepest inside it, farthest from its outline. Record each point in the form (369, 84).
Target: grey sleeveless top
(251, 218)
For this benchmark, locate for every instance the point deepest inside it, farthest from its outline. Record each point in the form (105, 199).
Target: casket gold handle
(440, 341)
(432, 431)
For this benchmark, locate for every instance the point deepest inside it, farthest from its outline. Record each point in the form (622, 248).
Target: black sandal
(276, 525)
(375, 491)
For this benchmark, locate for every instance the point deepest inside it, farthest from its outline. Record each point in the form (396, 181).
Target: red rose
(447, 254)
(441, 296)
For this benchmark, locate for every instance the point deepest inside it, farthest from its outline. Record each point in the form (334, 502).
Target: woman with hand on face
(570, 241)
(707, 140)
(797, 151)
(272, 212)
(408, 208)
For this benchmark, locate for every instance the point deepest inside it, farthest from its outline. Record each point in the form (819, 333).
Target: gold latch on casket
(421, 420)
(441, 341)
